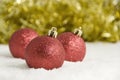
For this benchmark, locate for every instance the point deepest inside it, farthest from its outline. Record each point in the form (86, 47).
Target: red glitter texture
(45, 52)
(74, 46)
(19, 40)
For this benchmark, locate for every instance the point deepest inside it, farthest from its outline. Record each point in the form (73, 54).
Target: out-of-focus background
(99, 19)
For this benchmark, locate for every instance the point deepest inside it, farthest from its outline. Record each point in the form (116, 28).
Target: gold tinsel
(99, 19)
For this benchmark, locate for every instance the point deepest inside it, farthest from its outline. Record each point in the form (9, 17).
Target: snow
(102, 62)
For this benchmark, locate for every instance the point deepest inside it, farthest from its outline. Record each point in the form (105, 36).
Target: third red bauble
(74, 46)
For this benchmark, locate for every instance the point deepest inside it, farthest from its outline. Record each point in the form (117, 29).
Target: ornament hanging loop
(53, 32)
(78, 31)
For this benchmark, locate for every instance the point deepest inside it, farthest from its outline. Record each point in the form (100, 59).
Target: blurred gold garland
(100, 19)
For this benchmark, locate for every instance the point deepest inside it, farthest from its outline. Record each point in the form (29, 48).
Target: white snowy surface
(102, 62)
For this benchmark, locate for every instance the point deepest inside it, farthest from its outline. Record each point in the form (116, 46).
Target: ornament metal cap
(53, 32)
(78, 31)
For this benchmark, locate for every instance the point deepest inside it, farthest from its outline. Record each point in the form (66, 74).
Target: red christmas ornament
(19, 40)
(45, 52)
(73, 44)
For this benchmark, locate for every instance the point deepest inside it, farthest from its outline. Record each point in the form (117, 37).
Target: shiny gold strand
(99, 19)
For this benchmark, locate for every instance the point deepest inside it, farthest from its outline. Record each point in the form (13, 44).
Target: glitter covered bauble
(45, 52)
(73, 44)
(19, 40)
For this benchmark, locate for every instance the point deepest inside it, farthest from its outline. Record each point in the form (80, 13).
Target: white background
(102, 62)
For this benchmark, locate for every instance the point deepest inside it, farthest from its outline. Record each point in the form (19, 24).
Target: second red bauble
(19, 40)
